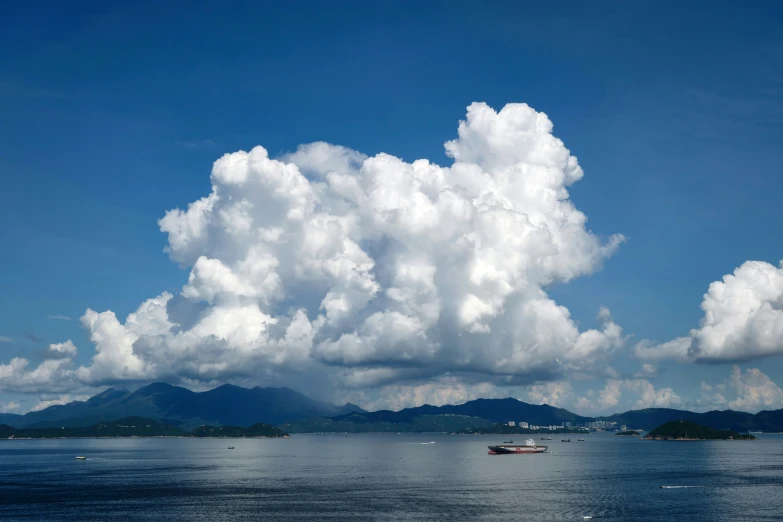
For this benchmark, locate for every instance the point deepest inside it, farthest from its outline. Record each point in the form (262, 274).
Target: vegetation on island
(628, 432)
(687, 430)
(138, 427)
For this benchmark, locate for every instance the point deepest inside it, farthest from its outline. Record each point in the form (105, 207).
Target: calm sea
(389, 477)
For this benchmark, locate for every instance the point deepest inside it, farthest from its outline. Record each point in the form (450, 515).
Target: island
(631, 433)
(687, 430)
(141, 427)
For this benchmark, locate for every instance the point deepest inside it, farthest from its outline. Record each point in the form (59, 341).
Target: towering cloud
(743, 315)
(370, 271)
(743, 319)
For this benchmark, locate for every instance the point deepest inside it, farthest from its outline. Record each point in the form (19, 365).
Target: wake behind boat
(514, 449)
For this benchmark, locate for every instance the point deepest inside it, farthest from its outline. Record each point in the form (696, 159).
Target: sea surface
(389, 477)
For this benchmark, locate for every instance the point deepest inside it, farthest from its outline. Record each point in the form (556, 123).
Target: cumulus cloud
(54, 374)
(743, 319)
(371, 271)
(66, 349)
(10, 407)
(614, 397)
(55, 401)
(755, 391)
(552, 393)
(443, 391)
(647, 370)
(675, 349)
(743, 315)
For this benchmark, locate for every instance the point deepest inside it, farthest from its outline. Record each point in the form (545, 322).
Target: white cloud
(647, 370)
(614, 397)
(444, 390)
(755, 391)
(66, 349)
(10, 407)
(743, 319)
(50, 375)
(553, 393)
(743, 315)
(5, 339)
(62, 399)
(59, 316)
(370, 271)
(675, 349)
(54, 374)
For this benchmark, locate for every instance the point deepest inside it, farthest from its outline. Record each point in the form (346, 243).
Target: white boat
(514, 449)
(81, 458)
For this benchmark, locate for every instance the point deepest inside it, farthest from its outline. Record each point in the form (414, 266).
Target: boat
(546, 438)
(81, 458)
(565, 440)
(508, 442)
(514, 449)
(231, 447)
(580, 440)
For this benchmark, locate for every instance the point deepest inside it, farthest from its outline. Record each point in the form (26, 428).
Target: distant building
(523, 425)
(623, 428)
(567, 424)
(512, 423)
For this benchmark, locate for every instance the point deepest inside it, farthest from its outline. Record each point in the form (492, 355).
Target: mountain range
(230, 405)
(226, 405)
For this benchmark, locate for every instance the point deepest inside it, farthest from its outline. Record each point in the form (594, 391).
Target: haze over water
(389, 477)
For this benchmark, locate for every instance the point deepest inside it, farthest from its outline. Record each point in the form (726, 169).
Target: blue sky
(112, 114)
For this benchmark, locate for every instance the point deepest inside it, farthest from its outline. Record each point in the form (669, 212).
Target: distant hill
(480, 414)
(139, 427)
(687, 430)
(365, 423)
(256, 430)
(225, 405)
(9, 418)
(230, 405)
(771, 421)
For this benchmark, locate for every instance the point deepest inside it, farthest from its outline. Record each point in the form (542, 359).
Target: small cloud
(195, 144)
(5, 339)
(648, 370)
(10, 407)
(58, 316)
(34, 338)
(66, 349)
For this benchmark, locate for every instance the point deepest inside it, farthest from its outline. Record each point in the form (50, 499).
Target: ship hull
(515, 450)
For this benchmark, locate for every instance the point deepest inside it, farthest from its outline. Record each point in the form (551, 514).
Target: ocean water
(389, 477)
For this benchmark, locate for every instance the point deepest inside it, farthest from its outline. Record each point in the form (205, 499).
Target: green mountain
(226, 405)
(139, 427)
(687, 430)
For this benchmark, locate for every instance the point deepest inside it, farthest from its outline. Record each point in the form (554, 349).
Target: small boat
(546, 438)
(565, 440)
(508, 442)
(81, 458)
(580, 440)
(231, 447)
(505, 449)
